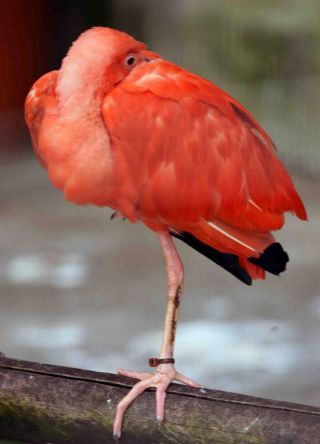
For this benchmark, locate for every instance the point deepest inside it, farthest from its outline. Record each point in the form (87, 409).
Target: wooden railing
(42, 403)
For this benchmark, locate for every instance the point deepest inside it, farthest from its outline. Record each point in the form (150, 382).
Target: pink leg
(165, 373)
(175, 287)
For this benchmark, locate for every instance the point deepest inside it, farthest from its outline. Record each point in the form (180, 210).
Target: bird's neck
(83, 81)
(80, 93)
(82, 147)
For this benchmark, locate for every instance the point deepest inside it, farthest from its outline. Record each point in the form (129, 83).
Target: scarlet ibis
(119, 126)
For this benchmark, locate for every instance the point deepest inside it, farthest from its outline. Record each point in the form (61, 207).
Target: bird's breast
(78, 155)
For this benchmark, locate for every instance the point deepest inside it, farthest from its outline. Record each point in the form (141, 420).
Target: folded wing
(195, 154)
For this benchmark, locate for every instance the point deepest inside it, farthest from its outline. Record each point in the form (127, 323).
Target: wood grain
(42, 403)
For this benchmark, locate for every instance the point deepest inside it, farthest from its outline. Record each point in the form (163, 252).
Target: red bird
(119, 126)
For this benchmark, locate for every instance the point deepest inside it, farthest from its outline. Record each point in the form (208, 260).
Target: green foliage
(256, 40)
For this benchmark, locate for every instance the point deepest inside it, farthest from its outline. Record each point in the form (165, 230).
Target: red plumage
(163, 146)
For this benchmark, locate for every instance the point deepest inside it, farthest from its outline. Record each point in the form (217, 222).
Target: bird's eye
(130, 60)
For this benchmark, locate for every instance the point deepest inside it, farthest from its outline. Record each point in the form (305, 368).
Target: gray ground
(81, 290)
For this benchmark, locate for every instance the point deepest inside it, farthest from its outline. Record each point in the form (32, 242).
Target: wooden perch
(50, 404)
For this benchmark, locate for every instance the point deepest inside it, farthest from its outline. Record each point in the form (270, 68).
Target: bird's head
(97, 61)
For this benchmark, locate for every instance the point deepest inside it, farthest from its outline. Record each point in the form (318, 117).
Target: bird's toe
(133, 374)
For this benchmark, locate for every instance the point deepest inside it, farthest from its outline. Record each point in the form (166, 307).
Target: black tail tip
(274, 259)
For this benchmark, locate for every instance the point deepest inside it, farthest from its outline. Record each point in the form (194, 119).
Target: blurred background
(81, 290)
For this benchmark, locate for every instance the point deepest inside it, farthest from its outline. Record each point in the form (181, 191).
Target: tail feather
(228, 261)
(273, 259)
(253, 270)
(229, 239)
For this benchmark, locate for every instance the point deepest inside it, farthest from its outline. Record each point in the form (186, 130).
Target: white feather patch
(228, 235)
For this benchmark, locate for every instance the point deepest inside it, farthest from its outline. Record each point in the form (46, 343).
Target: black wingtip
(229, 262)
(274, 259)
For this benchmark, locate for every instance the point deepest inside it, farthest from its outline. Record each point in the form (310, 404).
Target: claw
(114, 215)
(117, 215)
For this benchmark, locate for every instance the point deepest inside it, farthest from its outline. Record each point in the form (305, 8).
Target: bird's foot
(117, 215)
(160, 379)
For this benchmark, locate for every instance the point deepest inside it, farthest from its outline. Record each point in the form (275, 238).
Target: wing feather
(36, 101)
(194, 153)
